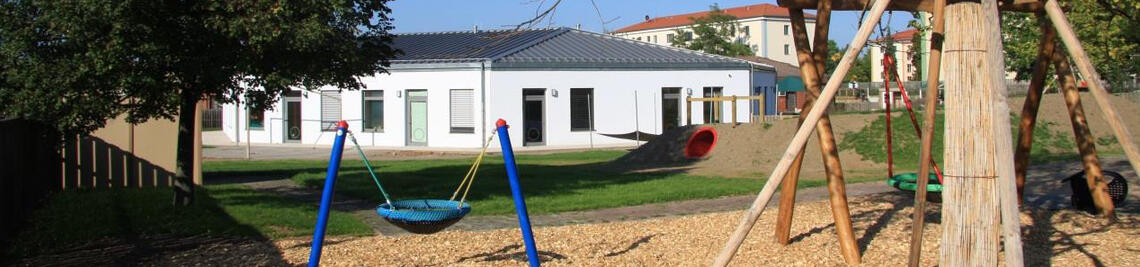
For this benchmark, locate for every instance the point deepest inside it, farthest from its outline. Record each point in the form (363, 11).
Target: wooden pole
(733, 111)
(1032, 101)
(979, 177)
(933, 70)
(812, 63)
(753, 213)
(1077, 52)
(1094, 176)
(688, 111)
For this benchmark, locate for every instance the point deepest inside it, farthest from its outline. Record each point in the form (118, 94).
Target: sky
(460, 15)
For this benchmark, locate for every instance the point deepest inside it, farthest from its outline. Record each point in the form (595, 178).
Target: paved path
(1044, 190)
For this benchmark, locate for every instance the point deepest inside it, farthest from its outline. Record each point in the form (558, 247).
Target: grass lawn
(551, 183)
(72, 217)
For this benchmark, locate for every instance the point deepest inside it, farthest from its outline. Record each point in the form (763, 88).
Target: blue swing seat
(423, 216)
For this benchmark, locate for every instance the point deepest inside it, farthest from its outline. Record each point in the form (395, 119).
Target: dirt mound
(1053, 111)
(745, 150)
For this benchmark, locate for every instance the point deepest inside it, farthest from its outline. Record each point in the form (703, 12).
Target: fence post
(688, 111)
(734, 110)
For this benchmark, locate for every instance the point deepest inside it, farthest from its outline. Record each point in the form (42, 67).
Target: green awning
(790, 84)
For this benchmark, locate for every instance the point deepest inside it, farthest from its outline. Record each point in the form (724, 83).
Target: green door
(417, 134)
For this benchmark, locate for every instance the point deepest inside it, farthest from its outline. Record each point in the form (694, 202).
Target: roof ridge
(614, 38)
(479, 31)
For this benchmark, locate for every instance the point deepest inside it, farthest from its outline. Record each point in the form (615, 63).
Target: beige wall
(765, 36)
(121, 154)
(907, 70)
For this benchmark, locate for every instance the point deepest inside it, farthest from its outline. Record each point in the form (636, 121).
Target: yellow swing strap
(469, 178)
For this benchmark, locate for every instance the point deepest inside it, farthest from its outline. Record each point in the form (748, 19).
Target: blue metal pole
(327, 194)
(520, 205)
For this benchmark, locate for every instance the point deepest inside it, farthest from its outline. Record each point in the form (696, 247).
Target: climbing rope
(376, 179)
(469, 178)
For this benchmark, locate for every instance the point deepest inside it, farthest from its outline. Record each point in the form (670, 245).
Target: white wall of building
(614, 105)
(613, 93)
(395, 85)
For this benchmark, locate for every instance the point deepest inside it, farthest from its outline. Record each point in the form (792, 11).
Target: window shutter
(330, 109)
(462, 111)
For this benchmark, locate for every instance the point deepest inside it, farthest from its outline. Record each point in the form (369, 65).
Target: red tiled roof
(752, 11)
(903, 36)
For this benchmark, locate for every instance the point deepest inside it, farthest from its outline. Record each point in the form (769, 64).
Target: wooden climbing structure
(983, 176)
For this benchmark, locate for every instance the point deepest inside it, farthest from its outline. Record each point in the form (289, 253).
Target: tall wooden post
(978, 146)
(757, 208)
(1094, 176)
(933, 71)
(1032, 101)
(812, 64)
(1077, 52)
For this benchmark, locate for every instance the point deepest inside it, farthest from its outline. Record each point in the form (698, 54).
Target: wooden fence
(29, 171)
(732, 99)
(90, 162)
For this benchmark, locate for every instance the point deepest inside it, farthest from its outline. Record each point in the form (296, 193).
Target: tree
(76, 64)
(714, 34)
(1106, 31)
(861, 70)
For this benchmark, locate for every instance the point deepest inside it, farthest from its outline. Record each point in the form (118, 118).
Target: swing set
(424, 216)
(904, 181)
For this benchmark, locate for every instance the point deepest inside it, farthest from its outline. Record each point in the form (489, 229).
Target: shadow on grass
(133, 226)
(550, 183)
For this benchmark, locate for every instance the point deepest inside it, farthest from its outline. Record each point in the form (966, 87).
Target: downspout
(483, 99)
(752, 104)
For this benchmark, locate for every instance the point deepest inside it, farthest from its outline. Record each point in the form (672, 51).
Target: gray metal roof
(562, 48)
(462, 46)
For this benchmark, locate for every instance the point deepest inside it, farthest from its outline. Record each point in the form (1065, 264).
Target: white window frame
(460, 125)
(364, 98)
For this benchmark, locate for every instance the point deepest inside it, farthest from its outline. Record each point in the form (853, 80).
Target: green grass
(870, 141)
(72, 217)
(551, 183)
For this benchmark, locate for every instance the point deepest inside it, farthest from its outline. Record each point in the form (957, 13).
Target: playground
(1053, 195)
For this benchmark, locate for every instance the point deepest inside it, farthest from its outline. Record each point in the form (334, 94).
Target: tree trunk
(977, 123)
(183, 171)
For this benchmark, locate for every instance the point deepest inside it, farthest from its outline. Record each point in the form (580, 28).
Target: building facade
(765, 28)
(555, 88)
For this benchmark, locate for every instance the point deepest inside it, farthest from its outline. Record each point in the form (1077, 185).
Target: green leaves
(75, 64)
(1106, 28)
(713, 34)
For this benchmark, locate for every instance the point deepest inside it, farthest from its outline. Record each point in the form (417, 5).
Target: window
(786, 27)
(688, 35)
(791, 103)
(255, 114)
(747, 31)
(462, 111)
(713, 109)
(330, 109)
(639, 38)
(655, 39)
(374, 110)
(581, 109)
(787, 49)
(669, 37)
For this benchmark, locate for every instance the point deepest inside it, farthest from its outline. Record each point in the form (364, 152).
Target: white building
(766, 28)
(903, 43)
(554, 87)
